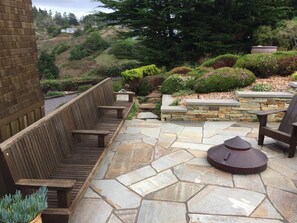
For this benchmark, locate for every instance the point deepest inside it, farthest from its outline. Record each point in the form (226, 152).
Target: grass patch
(261, 87)
(54, 94)
(176, 102)
(157, 109)
(133, 111)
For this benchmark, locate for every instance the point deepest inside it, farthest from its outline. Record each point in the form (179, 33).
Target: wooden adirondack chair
(287, 131)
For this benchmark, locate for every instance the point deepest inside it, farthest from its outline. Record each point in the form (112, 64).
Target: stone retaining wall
(227, 110)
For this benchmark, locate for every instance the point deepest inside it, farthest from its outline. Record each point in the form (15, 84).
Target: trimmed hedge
(137, 73)
(199, 71)
(226, 60)
(287, 65)
(224, 79)
(173, 84)
(262, 65)
(181, 70)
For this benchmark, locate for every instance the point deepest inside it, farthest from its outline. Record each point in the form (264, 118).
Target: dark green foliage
(181, 70)
(50, 85)
(173, 84)
(261, 87)
(176, 102)
(53, 31)
(262, 65)
(85, 87)
(224, 79)
(133, 111)
(17, 209)
(60, 48)
(226, 60)
(287, 65)
(148, 84)
(199, 71)
(117, 85)
(174, 32)
(93, 44)
(183, 93)
(54, 94)
(46, 66)
(69, 85)
(157, 110)
(127, 49)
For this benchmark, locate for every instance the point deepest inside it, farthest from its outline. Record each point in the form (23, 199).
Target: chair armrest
(54, 184)
(268, 112)
(63, 188)
(294, 124)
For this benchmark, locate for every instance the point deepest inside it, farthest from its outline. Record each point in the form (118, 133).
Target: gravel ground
(278, 84)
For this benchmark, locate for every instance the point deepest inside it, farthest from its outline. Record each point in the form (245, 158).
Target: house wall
(21, 100)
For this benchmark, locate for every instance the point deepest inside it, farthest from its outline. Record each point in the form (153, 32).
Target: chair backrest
(290, 117)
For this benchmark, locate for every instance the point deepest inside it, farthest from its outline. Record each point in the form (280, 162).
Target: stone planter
(37, 219)
(264, 49)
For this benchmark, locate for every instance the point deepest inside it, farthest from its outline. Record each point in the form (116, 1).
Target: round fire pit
(237, 156)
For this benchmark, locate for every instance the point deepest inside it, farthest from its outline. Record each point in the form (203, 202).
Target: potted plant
(18, 209)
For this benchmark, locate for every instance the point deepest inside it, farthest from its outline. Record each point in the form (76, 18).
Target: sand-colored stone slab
(217, 125)
(197, 153)
(179, 192)
(137, 175)
(170, 160)
(203, 175)
(193, 146)
(190, 134)
(284, 202)
(151, 132)
(200, 161)
(130, 157)
(275, 179)
(235, 131)
(127, 216)
(171, 128)
(116, 194)
(200, 218)
(129, 137)
(225, 201)
(160, 151)
(249, 182)
(266, 210)
(216, 139)
(154, 183)
(158, 211)
(150, 141)
(114, 219)
(91, 194)
(285, 166)
(104, 166)
(91, 210)
(166, 139)
(132, 130)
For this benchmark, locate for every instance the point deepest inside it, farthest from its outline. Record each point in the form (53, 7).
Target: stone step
(153, 100)
(147, 107)
(154, 95)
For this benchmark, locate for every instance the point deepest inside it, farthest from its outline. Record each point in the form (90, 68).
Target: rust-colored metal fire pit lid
(237, 156)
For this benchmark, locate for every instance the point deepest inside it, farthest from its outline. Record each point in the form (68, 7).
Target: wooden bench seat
(48, 153)
(100, 133)
(120, 110)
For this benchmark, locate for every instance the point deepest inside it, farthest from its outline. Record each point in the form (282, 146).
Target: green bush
(133, 112)
(50, 85)
(46, 66)
(226, 60)
(287, 65)
(174, 84)
(140, 72)
(176, 102)
(181, 70)
(183, 93)
(224, 79)
(126, 49)
(54, 94)
(69, 84)
(294, 76)
(148, 84)
(92, 45)
(262, 65)
(261, 87)
(117, 85)
(200, 71)
(115, 70)
(60, 48)
(85, 87)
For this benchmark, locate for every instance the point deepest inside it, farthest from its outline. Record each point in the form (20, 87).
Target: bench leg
(101, 140)
(64, 199)
(120, 114)
(130, 97)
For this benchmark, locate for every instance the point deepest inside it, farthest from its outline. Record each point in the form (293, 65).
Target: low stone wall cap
(253, 94)
(293, 84)
(173, 109)
(212, 102)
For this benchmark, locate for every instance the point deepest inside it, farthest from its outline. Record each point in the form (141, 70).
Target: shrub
(133, 112)
(148, 84)
(226, 60)
(262, 65)
(176, 102)
(46, 66)
(224, 79)
(140, 72)
(60, 48)
(294, 76)
(181, 70)
(54, 94)
(117, 85)
(50, 85)
(69, 84)
(16, 208)
(174, 84)
(183, 93)
(200, 71)
(287, 65)
(126, 49)
(85, 87)
(261, 87)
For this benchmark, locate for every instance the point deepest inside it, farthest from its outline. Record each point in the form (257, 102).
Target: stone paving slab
(250, 182)
(266, 210)
(157, 211)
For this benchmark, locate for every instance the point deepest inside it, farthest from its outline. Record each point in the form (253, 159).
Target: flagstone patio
(157, 172)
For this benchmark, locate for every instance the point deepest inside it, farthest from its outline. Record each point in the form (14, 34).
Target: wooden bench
(100, 133)
(120, 110)
(48, 153)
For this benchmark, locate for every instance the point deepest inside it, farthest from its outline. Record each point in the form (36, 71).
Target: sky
(78, 7)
